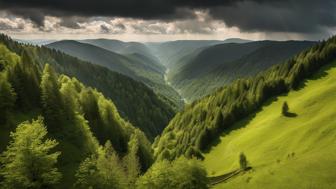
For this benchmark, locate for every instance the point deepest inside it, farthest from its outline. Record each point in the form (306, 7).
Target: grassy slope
(268, 138)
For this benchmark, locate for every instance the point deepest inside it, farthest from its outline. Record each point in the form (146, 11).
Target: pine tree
(28, 162)
(51, 98)
(7, 99)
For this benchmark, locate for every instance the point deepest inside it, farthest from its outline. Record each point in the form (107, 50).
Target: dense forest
(151, 113)
(58, 133)
(200, 124)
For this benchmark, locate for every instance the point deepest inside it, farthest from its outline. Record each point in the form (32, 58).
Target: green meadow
(296, 151)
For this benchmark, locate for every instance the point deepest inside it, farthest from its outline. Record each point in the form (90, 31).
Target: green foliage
(7, 99)
(179, 174)
(25, 79)
(238, 100)
(102, 171)
(29, 161)
(131, 161)
(78, 117)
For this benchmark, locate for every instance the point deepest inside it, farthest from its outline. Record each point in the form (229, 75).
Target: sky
(166, 20)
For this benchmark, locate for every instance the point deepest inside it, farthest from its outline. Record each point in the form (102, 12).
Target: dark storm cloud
(301, 16)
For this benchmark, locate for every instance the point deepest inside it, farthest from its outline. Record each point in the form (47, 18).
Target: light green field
(285, 152)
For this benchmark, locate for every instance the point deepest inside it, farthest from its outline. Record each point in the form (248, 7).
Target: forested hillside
(78, 117)
(150, 113)
(134, 65)
(169, 53)
(124, 48)
(200, 124)
(204, 70)
(61, 134)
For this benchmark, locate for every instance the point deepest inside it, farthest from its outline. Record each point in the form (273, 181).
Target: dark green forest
(192, 130)
(58, 133)
(151, 113)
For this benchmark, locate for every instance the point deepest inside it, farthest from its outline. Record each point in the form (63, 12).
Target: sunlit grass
(285, 152)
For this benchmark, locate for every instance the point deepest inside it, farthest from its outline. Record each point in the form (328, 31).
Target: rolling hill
(136, 66)
(124, 48)
(284, 152)
(204, 70)
(170, 52)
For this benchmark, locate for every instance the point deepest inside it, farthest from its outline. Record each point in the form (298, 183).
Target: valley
(174, 108)
(167, 94)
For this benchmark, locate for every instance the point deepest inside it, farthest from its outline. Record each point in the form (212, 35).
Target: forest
(58, 133)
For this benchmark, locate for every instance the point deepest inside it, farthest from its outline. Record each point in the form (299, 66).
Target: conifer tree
(7, 98)
(51, 98)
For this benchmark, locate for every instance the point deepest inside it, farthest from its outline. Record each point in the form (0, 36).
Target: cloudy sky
(163, 20)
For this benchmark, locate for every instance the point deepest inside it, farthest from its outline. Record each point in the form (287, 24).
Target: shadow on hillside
(245, 121)
(319, 75)
(291, 114)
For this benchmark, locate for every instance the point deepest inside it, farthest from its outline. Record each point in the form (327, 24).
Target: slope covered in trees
(200, 123)
(204, 70)
(134, 101)
(78, 117)
(298, 148)
(125, 48)
(61, 134)
(134, 65)
(170, 52)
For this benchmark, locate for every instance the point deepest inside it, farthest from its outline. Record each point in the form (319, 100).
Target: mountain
(35, 41)
(193, 130)
(136, 66)
(169, 52)
(299, 149)
(134, 100)
(204, 70)
(124, 48)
